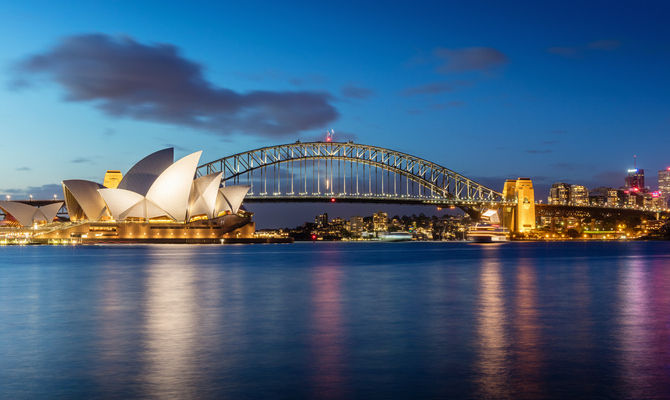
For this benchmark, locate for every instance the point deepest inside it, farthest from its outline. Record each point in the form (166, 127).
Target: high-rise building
(635, 179)
(664, 184)
(559, 193)
(579, 195)
(380, 221)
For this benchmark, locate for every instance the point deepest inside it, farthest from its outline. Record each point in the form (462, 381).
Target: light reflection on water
(493, 360)
(336, 320)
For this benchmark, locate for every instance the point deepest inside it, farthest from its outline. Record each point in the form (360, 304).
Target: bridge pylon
(519, 217)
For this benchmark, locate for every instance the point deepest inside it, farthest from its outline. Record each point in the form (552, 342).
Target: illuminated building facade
(356, 225)
(613, 198)
(559, 193)
(321, 220)
(380, 221)
(579, 195)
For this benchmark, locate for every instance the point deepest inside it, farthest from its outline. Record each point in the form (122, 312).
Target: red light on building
(655, 194)
(332, 200)
(313, 236)
(635, 189)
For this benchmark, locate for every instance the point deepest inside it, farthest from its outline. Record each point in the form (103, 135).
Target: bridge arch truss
(346, 170)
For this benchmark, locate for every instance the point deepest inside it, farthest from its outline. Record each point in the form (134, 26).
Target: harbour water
(336, 320)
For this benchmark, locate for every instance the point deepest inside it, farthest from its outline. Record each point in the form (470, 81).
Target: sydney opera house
(157, 200)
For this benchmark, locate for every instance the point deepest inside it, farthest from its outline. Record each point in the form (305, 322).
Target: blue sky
(552, 90)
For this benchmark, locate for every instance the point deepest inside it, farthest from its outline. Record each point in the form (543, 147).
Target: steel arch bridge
(349, 172)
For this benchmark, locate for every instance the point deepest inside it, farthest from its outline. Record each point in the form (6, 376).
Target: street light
(31, 197)
(55, 196)
(8, 197)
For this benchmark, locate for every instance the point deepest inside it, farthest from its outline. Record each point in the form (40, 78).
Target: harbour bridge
(357, 173)
(348, 172)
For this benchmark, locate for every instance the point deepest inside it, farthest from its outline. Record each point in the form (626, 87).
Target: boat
(487, 233)
(395, 236)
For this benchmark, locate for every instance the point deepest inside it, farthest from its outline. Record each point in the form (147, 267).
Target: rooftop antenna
(635, 161)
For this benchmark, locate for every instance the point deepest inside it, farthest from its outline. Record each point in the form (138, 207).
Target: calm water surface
(336, 320)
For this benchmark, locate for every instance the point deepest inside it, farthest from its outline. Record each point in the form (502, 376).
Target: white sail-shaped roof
(172, 189)
(142, 175)
(143, 209)
(203, 195)
(120, 200)
(83, 200)
(23, 213)
(26, 214)
(230, 198)
(49, 211)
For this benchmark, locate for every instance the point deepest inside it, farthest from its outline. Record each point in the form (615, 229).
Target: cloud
(44, 192)
(109, 132)
(469, 59)
(356, 92)
(434, 88)
(607, 45)
(578, 51)
(449, 104)
(538, 151)
(81, 160)
(23, 169)
(177, 147)
(154, 82)
(313, 79)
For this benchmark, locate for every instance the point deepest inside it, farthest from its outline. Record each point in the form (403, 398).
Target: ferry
(487, 233)
(395, 236)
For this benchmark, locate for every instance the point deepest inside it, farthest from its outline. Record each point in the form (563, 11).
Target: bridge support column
(519, 218)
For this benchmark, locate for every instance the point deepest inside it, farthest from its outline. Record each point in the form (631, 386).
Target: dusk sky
(560, 91)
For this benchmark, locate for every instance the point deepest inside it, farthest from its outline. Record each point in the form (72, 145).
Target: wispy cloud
(81, 160)
(154, 82)
(39, 192)
(580, 50)
(449, 104)
(469, 59)
(607, 45)
(23, 169)
(356, 92)
(434, 88)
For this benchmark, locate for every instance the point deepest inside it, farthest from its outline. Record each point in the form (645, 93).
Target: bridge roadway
(369, 198)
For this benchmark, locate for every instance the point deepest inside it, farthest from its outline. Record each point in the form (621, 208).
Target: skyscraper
(635, 179)
(664, 184)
